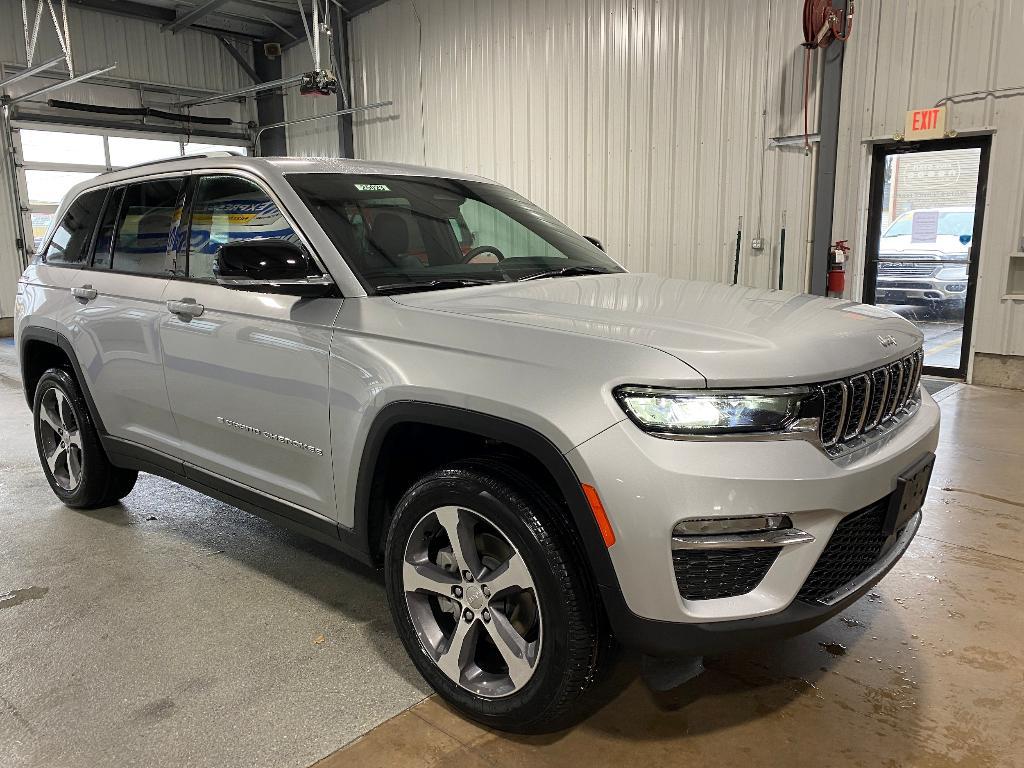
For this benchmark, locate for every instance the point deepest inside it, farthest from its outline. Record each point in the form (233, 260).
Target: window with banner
(56, 160)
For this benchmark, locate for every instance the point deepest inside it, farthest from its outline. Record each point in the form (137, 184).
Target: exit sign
(926, 124)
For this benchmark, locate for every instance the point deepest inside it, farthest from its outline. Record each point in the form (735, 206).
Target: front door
(246, 372)
(924, 240)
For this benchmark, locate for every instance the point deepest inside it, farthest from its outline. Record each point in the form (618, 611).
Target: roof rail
(218, 153)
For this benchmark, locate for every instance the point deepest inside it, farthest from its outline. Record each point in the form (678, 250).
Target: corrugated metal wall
(909, 54)
(144, 54)
(641, 122)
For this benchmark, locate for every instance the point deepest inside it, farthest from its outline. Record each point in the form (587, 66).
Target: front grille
(906, 285)
(854, 547)
(707, 574)
(905, 270)
(855, 406)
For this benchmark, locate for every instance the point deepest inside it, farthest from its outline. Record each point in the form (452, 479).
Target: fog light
(714, 526)
(956, 287)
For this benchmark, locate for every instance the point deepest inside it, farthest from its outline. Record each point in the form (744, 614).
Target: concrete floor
(177, 630)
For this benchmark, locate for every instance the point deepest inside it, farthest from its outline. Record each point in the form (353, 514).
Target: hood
(732, 335)
(944, 245)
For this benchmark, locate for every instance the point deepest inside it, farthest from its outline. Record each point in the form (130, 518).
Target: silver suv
(543, 452)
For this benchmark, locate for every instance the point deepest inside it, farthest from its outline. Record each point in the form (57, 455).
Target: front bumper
(647, 485)
(919, 290)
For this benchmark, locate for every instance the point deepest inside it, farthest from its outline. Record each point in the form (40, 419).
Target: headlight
(953, 273)
(710, 412)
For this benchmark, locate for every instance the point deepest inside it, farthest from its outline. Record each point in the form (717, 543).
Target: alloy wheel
(60, 438)
(472, 601)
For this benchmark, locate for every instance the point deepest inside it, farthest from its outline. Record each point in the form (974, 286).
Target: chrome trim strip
(881, 565)
(776, 538)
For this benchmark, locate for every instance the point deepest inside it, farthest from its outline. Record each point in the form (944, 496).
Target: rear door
(118, 305)
(246, 372)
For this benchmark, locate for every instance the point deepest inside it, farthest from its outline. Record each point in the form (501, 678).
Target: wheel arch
(40, 349)
(372, 514)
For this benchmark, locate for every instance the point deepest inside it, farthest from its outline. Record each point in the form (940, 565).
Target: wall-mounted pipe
(62, 84)
(782, 251)
(31, 71)
(338, 113)
(736, 259)
(241, 92)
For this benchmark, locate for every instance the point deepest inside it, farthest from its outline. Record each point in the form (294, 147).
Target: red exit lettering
(925, 119)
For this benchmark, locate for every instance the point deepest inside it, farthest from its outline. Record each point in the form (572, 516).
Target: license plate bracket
(911, 489)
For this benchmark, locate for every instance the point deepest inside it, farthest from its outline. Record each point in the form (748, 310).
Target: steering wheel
(480, 249)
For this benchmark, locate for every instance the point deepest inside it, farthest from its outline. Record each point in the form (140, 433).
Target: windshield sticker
(372, 188)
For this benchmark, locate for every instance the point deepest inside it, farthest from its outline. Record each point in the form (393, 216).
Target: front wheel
(489, 599)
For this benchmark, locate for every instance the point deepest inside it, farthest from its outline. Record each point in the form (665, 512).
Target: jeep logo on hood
(887, 341)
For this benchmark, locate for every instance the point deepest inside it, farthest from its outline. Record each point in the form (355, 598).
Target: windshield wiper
(431, 285)
(566, 272)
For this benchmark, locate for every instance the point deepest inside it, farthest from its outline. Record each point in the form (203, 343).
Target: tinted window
(228, 209)
(105, 235)
(147, 214)
(417, 231)
(69, 245)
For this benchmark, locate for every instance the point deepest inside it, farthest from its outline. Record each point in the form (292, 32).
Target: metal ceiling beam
(238, 57)
(192, 16)
(249, 28)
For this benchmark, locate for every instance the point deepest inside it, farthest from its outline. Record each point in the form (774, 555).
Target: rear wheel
(72, 457)
(490, 601)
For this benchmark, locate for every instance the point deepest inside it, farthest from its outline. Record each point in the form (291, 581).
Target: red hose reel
(823, 23)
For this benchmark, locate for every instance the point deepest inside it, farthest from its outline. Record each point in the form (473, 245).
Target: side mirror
(269, 265)
(595, 241)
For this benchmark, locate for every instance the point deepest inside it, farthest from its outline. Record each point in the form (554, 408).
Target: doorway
(925, 219)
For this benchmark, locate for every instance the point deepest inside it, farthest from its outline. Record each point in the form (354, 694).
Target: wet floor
(927, 670)
(174, 630)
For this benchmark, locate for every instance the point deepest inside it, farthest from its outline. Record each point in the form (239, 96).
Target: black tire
(99, 483)
(577, 647)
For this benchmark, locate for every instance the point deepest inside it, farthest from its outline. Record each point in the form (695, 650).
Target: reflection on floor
(934, 384)
(926, 670)
(943, 332)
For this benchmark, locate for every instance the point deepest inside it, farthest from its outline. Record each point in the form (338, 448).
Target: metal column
(825, 181)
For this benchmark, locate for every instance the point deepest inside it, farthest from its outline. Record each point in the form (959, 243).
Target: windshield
(402, 233)
(954, 223)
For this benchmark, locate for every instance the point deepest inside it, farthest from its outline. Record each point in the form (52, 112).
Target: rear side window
(149, 211)
(228, 209)
(69, 246)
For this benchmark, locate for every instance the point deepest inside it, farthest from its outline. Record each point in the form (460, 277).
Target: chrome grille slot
(856, 413)
(879, 390)
(869, 403)
(909, 367)
(833, 412)
(895, 389)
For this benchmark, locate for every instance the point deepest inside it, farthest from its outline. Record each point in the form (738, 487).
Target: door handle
(85, 293)
(185, 309)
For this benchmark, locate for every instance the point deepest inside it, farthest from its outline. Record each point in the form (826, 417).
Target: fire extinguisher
(837, 268)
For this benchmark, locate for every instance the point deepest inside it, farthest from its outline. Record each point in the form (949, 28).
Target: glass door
(924, 236)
